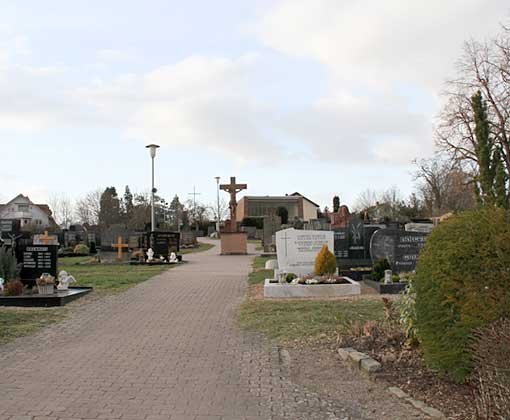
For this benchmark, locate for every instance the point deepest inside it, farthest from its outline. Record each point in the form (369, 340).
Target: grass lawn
(301, 320)
(16, 322)
(201, 247)
(108, 278)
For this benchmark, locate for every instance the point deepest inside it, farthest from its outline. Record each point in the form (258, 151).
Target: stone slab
(271, 265)
(276, 290)
(59, 298)
(370, 365)
(356, 357)
(344, 352)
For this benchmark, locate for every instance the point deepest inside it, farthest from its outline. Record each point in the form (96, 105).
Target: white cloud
(199, 101)
(381, 42)
(385, 62)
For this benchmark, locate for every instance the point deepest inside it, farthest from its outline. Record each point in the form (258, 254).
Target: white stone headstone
(296, 249)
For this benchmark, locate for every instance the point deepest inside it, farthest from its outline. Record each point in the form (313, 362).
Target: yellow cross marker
(120, 247)
(46, 239)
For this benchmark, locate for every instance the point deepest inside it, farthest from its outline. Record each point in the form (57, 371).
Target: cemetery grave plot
(35, 261)
(294, 322)
(162, 243)
(296, 253)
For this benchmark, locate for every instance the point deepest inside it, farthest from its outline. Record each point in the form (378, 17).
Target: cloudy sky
(319, 96)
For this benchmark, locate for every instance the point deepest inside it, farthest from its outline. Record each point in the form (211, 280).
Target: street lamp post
(152, 149)
(217, 178)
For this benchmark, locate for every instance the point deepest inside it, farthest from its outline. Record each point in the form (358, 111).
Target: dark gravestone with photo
(352, 243)
(36, 260)
(164, 243)
(399, 247)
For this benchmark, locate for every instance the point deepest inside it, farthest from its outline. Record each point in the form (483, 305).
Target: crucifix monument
(233, 189)
(233, 241)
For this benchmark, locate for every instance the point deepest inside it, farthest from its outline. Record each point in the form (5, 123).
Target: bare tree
(223, 210)
(88, 207)
(62, 209)
(367, 198)
(442, 186)
(484, 67)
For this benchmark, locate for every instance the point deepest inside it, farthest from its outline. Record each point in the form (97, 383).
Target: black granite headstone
(352, 244)
(399, 247)
(164, 243)
(38, 259)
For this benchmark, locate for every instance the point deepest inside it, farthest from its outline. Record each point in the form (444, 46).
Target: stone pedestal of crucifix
(233, 242)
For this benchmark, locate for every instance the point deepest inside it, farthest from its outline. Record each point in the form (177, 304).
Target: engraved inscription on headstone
(399, 247)
(37, 260)
(164, 243)
(296, 249)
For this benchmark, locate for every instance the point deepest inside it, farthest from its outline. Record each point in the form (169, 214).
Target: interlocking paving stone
(168, 348)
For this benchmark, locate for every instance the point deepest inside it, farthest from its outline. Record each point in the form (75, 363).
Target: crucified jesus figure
(233, 189)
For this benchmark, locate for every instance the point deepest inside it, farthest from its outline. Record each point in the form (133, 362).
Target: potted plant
(45, 284)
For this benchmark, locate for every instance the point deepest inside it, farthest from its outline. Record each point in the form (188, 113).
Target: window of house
(22, 207)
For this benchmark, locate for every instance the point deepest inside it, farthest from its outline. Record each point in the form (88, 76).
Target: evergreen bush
(378, 269)
(8, 264)
(81, 249)
(325, 262)
(462, 283)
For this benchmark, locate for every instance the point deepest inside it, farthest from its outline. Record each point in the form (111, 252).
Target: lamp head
(152, 149)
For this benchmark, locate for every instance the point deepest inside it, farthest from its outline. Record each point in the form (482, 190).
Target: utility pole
(217, 178)
(194, 194)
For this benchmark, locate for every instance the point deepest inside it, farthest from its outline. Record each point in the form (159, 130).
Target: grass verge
(302, 321)
(201, 247)
(16, 322)
(108, 278)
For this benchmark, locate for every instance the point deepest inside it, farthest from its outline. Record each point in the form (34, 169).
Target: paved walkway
(166, 349)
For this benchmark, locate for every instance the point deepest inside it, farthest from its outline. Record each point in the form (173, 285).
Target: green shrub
(290, 277)
(8, 264)
(462, 283)
(81, 249)
(378, 269)
(325, 262)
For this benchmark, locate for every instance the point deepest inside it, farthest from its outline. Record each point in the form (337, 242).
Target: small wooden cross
(120, 247)
(46, 239)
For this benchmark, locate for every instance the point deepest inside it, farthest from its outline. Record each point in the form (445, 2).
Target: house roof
(287, 197)
(296, 194)
(43, 207)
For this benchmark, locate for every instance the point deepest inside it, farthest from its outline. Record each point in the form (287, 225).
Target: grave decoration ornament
(45, 284)
(2, 281)
(150, 255)
(64, 280)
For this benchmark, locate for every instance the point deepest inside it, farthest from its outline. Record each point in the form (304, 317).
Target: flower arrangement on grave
(13, 288)
(45, 284)
(325, 269)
